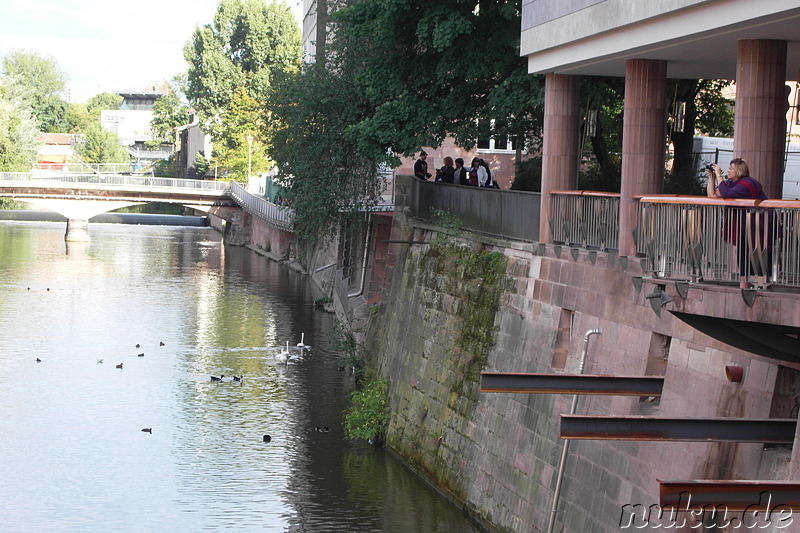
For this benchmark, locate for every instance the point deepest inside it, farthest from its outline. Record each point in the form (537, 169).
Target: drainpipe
(360, 290)
(565, 449)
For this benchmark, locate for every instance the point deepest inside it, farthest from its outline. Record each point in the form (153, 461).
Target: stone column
(760, 111)
(560, 143)
(77, 230)
(643, 138)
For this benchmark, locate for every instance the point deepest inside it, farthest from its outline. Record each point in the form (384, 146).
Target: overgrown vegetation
(345, 342)
(320, 302)
(10, 203)
(396, 76)
(478, 283)
(528, 175)
(368, 415)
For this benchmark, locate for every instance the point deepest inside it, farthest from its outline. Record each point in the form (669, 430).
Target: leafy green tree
(19, 136)
(706, 110)
(605, 103)
(101, 146)
(38, 82)
(102, 102)
(320, 168)
(241, 148)
(201, 164)
(168, 113)
(398, 75)
(437, 68)
(247, 43)
(528, 175)
(165, 168)
(78, 116)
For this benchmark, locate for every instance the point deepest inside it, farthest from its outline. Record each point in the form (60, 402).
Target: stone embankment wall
(458, 305)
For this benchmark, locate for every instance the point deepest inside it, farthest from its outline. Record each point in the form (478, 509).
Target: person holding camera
(445, 174)
(739, 184)
(421, 166)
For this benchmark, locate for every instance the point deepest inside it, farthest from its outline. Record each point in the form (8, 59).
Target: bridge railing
(708, 239)
(587, 219)
(277, 215)
(68, 180)
(79, 167)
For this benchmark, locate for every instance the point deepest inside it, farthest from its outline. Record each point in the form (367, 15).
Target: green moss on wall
(476, 279)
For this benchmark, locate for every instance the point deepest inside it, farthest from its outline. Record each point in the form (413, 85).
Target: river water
(73, 456)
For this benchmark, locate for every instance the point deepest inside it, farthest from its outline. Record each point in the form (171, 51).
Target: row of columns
(759, 129)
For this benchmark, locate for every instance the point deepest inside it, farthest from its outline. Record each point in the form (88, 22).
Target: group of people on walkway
(454, 171)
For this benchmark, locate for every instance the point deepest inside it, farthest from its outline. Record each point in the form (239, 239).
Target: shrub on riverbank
(368, 415)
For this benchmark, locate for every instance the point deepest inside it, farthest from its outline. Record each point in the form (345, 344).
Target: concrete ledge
(292, 263)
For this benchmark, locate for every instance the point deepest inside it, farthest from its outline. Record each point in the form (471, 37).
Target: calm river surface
(73, 456)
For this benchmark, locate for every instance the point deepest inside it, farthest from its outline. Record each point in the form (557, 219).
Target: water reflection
(74, 457)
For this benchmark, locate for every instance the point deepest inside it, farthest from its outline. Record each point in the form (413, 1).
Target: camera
(709, 166)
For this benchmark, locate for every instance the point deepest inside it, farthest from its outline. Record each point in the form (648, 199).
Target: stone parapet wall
(499, 453)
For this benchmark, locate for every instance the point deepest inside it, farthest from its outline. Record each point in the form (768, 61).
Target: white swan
(283, 356)
(301, 345)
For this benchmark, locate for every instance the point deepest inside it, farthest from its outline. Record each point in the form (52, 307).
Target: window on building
(492, 137)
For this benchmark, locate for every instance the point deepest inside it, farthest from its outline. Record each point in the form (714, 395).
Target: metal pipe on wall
(565, 449)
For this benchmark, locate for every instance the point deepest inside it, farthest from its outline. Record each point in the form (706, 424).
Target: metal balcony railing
(586, 219)
(56, 180)
(708, 239)
(277, 215)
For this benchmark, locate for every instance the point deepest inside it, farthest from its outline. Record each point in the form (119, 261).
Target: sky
(108, 45)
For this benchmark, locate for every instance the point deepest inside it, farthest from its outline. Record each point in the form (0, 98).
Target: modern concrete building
(131, 122)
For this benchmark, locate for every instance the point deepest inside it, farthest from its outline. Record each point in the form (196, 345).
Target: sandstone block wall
(498, 453)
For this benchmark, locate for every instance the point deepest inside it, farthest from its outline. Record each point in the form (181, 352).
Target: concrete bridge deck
(81, 196)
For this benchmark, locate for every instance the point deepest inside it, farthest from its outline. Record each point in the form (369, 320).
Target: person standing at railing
(421, 166)
(490, 183)
(478, 174)
(739, 184)
(445, 174)
(460, 174)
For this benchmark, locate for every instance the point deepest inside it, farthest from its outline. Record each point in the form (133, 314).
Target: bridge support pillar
(77, 230)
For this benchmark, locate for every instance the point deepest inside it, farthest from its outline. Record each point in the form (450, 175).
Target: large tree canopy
(101, 146)
(19, 136)
(39, 83)
(232, 64)
(169, 112)
(397, 76)
(247, 43)
(323, 173)
(437, 68)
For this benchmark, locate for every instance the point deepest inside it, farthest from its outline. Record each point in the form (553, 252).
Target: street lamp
(249, 155)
